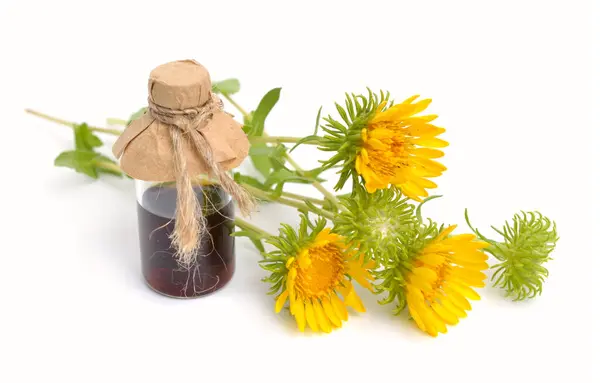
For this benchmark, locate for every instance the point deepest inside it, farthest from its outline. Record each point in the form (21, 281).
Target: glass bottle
(215, 258)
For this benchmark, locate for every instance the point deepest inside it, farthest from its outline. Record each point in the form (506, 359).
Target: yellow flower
(316, 275)
(399, 148)
(440, 283)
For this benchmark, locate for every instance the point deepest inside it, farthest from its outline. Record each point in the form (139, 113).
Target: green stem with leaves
(114, 132)
(279, 140)
(108, 166)
(299, 197)
(235, 104)
(316, 184)
(285, 201)
(326, 193)
(245, 225)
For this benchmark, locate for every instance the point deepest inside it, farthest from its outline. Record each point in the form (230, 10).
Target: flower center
(324, 272)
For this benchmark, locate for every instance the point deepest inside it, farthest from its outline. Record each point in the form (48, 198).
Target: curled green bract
(526, 246)
(379, 223)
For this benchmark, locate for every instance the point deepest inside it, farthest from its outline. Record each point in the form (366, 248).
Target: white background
(511, 81)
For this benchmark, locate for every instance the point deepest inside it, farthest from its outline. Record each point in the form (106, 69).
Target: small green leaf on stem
(85, 140)
(137, 115)
(286, 175)
(248, 180)
(229, 86)
(262, 163)
(87, 162)
(257, 122)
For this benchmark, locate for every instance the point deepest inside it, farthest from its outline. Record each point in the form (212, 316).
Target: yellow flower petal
(469, 257)
(321, 318)
(470, 277)
(421, 105)
(424, 183)
(463, 290)
(430, 142)
(428, 153)
(414, 189)
(353, 300)
(462, 238)
(381, 134)
(477, 266)
(424, 130)
(410, 99)
(430, 165)
(339, 307)
(446, 232)
(304, 261)
(289, 262)
(376, 144)
(365, 156)
(420, 283)
(310, 316)
(417, 120)
(439, 324)
(299, 314)
(358, 165)
(458, 300)
(446, 315)
(425, 273)
(415, 316)
(427, 317)
(330, 312)
(281, 301)
(448, 305)
(432, 259)
(363, 135)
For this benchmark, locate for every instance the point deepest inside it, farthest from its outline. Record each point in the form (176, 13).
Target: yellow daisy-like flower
(440, 283)
(399, 148)
(316, 275)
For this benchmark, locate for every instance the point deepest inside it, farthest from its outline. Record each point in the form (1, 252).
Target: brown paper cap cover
(145, 148)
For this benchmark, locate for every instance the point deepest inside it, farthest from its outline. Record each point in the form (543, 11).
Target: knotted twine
(190, 223)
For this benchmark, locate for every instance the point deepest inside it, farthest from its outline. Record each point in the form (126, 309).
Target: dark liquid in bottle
(215, 259)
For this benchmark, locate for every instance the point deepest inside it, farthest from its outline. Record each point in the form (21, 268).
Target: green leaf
(258, 244)
(79, 160)
(248, 122)
(277, 157)
(306, 139)
(278, 190)
(318, 120)
(257, 124)
(286, 175)
(229, 86)
(137, 115)
(85, 140)
(86, 162)
(261, 163)
(244, 179)
(101, 169)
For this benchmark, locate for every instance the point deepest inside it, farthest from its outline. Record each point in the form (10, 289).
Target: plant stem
(115, 132)
(245, 225)
(316, 184)
(279, 140)
(235, 104)
(289, 159)
(284, 201)
(299, 197)
(116, 121)
(108, 166)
